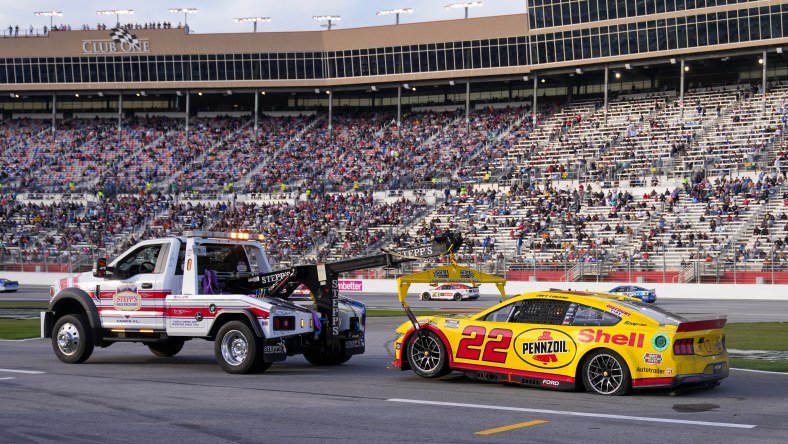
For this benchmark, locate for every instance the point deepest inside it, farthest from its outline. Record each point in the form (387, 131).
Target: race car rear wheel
(425, 296)
(427, 355)
(168, 348)
(71, 339)
(457, 297)
(606, 373)
(238, 350)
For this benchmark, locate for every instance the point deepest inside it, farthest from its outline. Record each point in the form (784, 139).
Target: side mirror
(100, 270)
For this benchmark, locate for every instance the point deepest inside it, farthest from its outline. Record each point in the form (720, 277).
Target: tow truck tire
(71, 339)
(457, 297)
(238, 350)
(425, 296)
(427, 355)
(168, 348)
(322, 359)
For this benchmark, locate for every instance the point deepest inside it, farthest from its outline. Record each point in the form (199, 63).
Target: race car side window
(502, 314)
(579, 314)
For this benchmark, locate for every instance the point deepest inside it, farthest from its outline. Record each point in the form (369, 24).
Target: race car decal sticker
(545, 348)
(653, 358)
(127, 299)
(599, 336)
(660, 342)
(494, 350)
(451, 323)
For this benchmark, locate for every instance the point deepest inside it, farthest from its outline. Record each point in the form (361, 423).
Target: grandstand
(564, 148)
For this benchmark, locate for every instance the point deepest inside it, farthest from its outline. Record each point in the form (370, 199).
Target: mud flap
(354, 346)
(274, 350)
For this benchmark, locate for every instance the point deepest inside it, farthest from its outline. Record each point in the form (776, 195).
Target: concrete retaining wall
(666, 291)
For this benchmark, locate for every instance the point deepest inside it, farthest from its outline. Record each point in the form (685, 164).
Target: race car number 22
(498, 340)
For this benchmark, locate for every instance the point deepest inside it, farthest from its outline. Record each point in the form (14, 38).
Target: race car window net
(663, 317)
(541, 311)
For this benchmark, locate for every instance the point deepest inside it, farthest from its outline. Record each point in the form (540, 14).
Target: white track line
(568, 413)
(4, 379)
(759, 371)
(26, 372)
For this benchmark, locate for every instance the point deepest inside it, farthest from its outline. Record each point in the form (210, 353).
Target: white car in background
(451, 292)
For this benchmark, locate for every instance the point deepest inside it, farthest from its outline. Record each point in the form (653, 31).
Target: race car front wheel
(427, 355)
(606, 373)
(425, 296)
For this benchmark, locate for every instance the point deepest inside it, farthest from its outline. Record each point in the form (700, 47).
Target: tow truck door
(132, 297)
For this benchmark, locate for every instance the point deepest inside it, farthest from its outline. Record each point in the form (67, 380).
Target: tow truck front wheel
(238, 350)
(71, 339)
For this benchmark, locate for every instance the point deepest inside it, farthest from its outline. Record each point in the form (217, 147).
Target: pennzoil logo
(127, 299)
(545, 348)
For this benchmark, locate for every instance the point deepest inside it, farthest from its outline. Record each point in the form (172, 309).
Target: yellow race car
(605, 343)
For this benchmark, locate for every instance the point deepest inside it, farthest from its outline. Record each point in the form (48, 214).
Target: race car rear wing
(704, 324)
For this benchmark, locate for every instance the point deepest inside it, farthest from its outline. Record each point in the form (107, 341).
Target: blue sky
(217, 16)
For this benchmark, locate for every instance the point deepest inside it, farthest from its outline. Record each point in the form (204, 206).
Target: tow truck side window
(142, 260)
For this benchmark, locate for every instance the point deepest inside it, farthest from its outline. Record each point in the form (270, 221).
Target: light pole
(186, 12)
(49, 14)
(329, 18)
(465, 5)
(254, 20)
(397, 11)
(117, 13)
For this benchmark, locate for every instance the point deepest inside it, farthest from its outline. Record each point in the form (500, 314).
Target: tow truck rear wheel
(71, 339)
(427, 355)
(238, 350)
(322, 358)
(168, 348)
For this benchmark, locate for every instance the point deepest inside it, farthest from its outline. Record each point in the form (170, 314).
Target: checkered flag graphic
(120, 35)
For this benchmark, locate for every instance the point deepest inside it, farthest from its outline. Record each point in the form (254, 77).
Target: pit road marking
(26, 372)
(569, 413)
(510, 427)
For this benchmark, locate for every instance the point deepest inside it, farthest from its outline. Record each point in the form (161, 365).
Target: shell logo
(545, 348)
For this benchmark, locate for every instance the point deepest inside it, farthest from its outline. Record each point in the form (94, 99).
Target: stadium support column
(256, 108)
(399, 115)
(188, 94)
(120, 117)
(681, 90)
(54, 113)
(468, 106)
(533, 107)
(763, 84)
(604, 109)
(330, 112)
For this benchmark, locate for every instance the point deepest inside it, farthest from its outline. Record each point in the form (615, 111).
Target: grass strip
(20, 328)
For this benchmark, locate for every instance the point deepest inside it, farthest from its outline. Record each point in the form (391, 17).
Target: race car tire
(457, 297)
(425, 296)
(606, 373)
(71, 339)
(322, 359)
(427, 355)
(238, 350)
(168, 348)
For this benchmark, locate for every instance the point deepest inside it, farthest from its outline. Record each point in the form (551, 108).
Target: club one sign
(120, 42)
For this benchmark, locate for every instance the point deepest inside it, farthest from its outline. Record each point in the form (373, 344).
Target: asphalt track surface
(125, 394)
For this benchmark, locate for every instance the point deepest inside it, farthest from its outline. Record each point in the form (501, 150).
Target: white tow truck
(219, 287)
